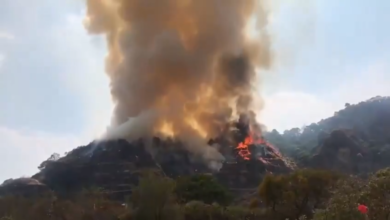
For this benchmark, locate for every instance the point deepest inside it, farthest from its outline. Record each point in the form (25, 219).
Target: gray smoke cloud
(179, 67)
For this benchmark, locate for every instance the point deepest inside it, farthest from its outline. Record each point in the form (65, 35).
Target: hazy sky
(54, 95)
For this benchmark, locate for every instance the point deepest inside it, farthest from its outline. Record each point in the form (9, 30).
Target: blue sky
(54, 95)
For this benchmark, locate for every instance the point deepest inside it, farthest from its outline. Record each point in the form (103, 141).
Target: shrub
(344, 202)
(154, 198)
(196, 210)
(297, 193)
(203, 188)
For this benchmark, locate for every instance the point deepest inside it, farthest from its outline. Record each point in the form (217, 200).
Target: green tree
(297, 193)
(271, 191)
(154, 198)
(309, 189)
(203, 188)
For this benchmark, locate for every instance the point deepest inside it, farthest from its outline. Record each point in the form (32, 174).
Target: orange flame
(255, 137)
(243, 147)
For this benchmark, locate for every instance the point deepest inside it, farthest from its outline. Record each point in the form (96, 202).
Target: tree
(271, 191)
(308, 189)
(53, 157)
(203, 188)
(154, 199)
(297, 193)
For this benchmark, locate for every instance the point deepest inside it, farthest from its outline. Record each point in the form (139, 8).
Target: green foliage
(45, 208)
(199, 211)
(298, 193)
(271, 191)
(302, 194)
(203, 188)
(378, 194)
(374, 192)
(154, 198)
(344, 201)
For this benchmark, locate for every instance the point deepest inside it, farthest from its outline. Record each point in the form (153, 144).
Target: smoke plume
(179, 67)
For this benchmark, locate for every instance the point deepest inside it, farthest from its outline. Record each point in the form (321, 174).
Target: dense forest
(322, 171)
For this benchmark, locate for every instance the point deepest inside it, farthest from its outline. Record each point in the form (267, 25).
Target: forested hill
(356, 140)
(368, 122)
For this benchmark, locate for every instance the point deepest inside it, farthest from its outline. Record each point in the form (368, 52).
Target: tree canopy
(202, 187)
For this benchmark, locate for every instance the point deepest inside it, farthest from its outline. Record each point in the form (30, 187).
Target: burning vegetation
(181, 73)
(257, 140)
(114, 165)
(181, 69)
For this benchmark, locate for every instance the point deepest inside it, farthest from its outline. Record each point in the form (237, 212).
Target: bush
(377, 195)
(17, 208)
(297, 193)
(203, 188)
(196, 210)
(154, 198)
(344, 201)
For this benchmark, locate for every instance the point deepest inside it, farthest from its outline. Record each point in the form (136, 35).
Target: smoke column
(179, 67)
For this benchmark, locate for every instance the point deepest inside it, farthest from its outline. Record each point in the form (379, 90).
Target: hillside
(356, 139)
(265, 171)
(115, 166)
